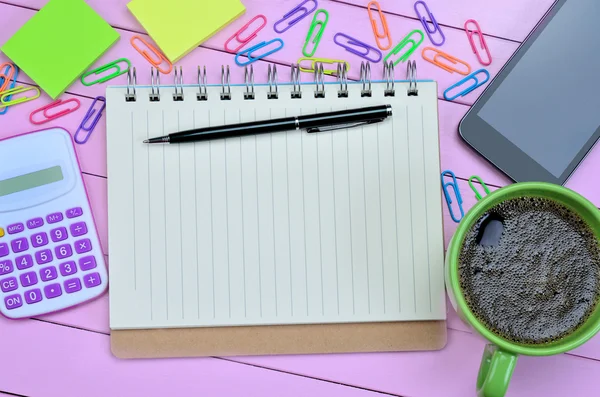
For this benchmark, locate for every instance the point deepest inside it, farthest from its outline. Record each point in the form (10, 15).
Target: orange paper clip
(237, 36)
(156, 63)
(477, 31)
(45, 110)
(439, 55)
(378, 34)
(7, 75)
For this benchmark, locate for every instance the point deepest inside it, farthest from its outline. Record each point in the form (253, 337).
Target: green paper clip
(108, 66)
(406, 40)
(314, 24)
(485, 188)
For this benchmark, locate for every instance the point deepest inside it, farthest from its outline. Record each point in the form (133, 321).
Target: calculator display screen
(31, 180)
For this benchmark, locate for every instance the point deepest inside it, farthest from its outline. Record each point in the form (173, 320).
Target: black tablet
(540, 116)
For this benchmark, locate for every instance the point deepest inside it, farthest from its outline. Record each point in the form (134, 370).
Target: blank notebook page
(282, 228)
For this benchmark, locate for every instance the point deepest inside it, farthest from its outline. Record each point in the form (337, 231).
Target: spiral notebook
(280, 243)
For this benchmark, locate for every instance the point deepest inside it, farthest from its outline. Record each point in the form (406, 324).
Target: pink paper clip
(477, 31)
(243, 41)
(45, 110)
(86, 118)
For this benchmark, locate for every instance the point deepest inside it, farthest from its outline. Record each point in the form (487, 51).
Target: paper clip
(351, 42)
(112, 65)
(12, 85)
(146, 55)
(299, 8)
(86, 118)
(478, 195)
(477, 31)
(459, 201)
(249, 51)
(314, 24)
(406, 40)
(243, 41)
(428, 30)
(378, 34)
(6, 96)
(436, 60)
(7, 75)
(324, 61)
(472, 76)
(46, 110)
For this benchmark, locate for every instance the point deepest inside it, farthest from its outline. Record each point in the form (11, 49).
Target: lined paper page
(283, 228)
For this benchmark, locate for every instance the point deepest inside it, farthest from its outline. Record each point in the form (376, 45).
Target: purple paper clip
(248, 52)
(88, 116)
(428, 30)
(299, 8)
(351, 42)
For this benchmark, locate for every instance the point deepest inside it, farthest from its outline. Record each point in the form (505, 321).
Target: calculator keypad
(39, 240)
(58, 234)
(43, 256)
(24, 262)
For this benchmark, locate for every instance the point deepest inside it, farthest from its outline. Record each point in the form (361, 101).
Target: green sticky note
(179, 26)
(59, 43)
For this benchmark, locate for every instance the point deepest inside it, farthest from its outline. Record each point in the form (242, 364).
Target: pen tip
(146, 141)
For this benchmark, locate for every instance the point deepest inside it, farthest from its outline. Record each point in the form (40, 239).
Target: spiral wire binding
(319, 80)
(295, 78)
(411, 76)
(155, 82)
(342, 76)
(272, 77)
(130, 96)
(388, 76)
(365, 78)
(202, 94)
(225, 76)
(178, 94)
(249, 79)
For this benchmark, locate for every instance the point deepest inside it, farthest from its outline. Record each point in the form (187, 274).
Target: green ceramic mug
(500, 356)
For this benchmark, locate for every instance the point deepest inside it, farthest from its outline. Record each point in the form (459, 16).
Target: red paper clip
(477, 31)
(146, 55)
(6, 76)
(246, 40)
(49, 116)
(448, 66)
(378, 34)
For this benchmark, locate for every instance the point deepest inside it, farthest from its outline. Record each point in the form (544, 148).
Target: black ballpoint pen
(312, 123)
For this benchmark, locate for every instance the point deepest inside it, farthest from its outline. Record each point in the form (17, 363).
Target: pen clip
(342, 126)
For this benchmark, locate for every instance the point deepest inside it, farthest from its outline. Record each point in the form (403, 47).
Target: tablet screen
(549, 104)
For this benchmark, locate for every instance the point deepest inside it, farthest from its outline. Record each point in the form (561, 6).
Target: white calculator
(50, 254)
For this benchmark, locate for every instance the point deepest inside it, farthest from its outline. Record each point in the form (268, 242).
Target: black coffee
(530, 270)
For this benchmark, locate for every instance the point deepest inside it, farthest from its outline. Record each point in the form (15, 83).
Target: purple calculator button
(87, 263)
(78, 229)
(55, 217)
(59, 234)
(24, 262)
(28, 279)
(82, 246)
(15, 228)
(10, 284)
(74, 212)
(19, 245)
(13, 301)
(43, 256)
(72, 285)
(63, 251)
(48, 273)
(92, 280)
(6, 267)
(52, 290)
(35, 223)
(39, 239)
(68, 268)
(3, 249)
(33, 296)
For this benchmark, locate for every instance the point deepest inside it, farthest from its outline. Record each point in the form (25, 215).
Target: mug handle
(495, 372)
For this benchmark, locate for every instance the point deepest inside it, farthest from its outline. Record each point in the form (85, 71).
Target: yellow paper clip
(324, 61)
(405, 41)
(15, 91)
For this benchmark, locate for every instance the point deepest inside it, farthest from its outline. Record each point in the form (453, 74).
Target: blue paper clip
(428, 30)
(454, 185)
(472, 76)
(248, 52)
(12, 85)
(299, 8)
(351, 42)
(88, 116)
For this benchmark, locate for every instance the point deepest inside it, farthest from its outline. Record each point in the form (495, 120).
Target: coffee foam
(541, 281)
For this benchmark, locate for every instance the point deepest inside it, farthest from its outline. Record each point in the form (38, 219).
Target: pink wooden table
(67, 354)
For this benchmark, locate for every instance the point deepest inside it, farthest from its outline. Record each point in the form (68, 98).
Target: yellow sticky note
(179, 26)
